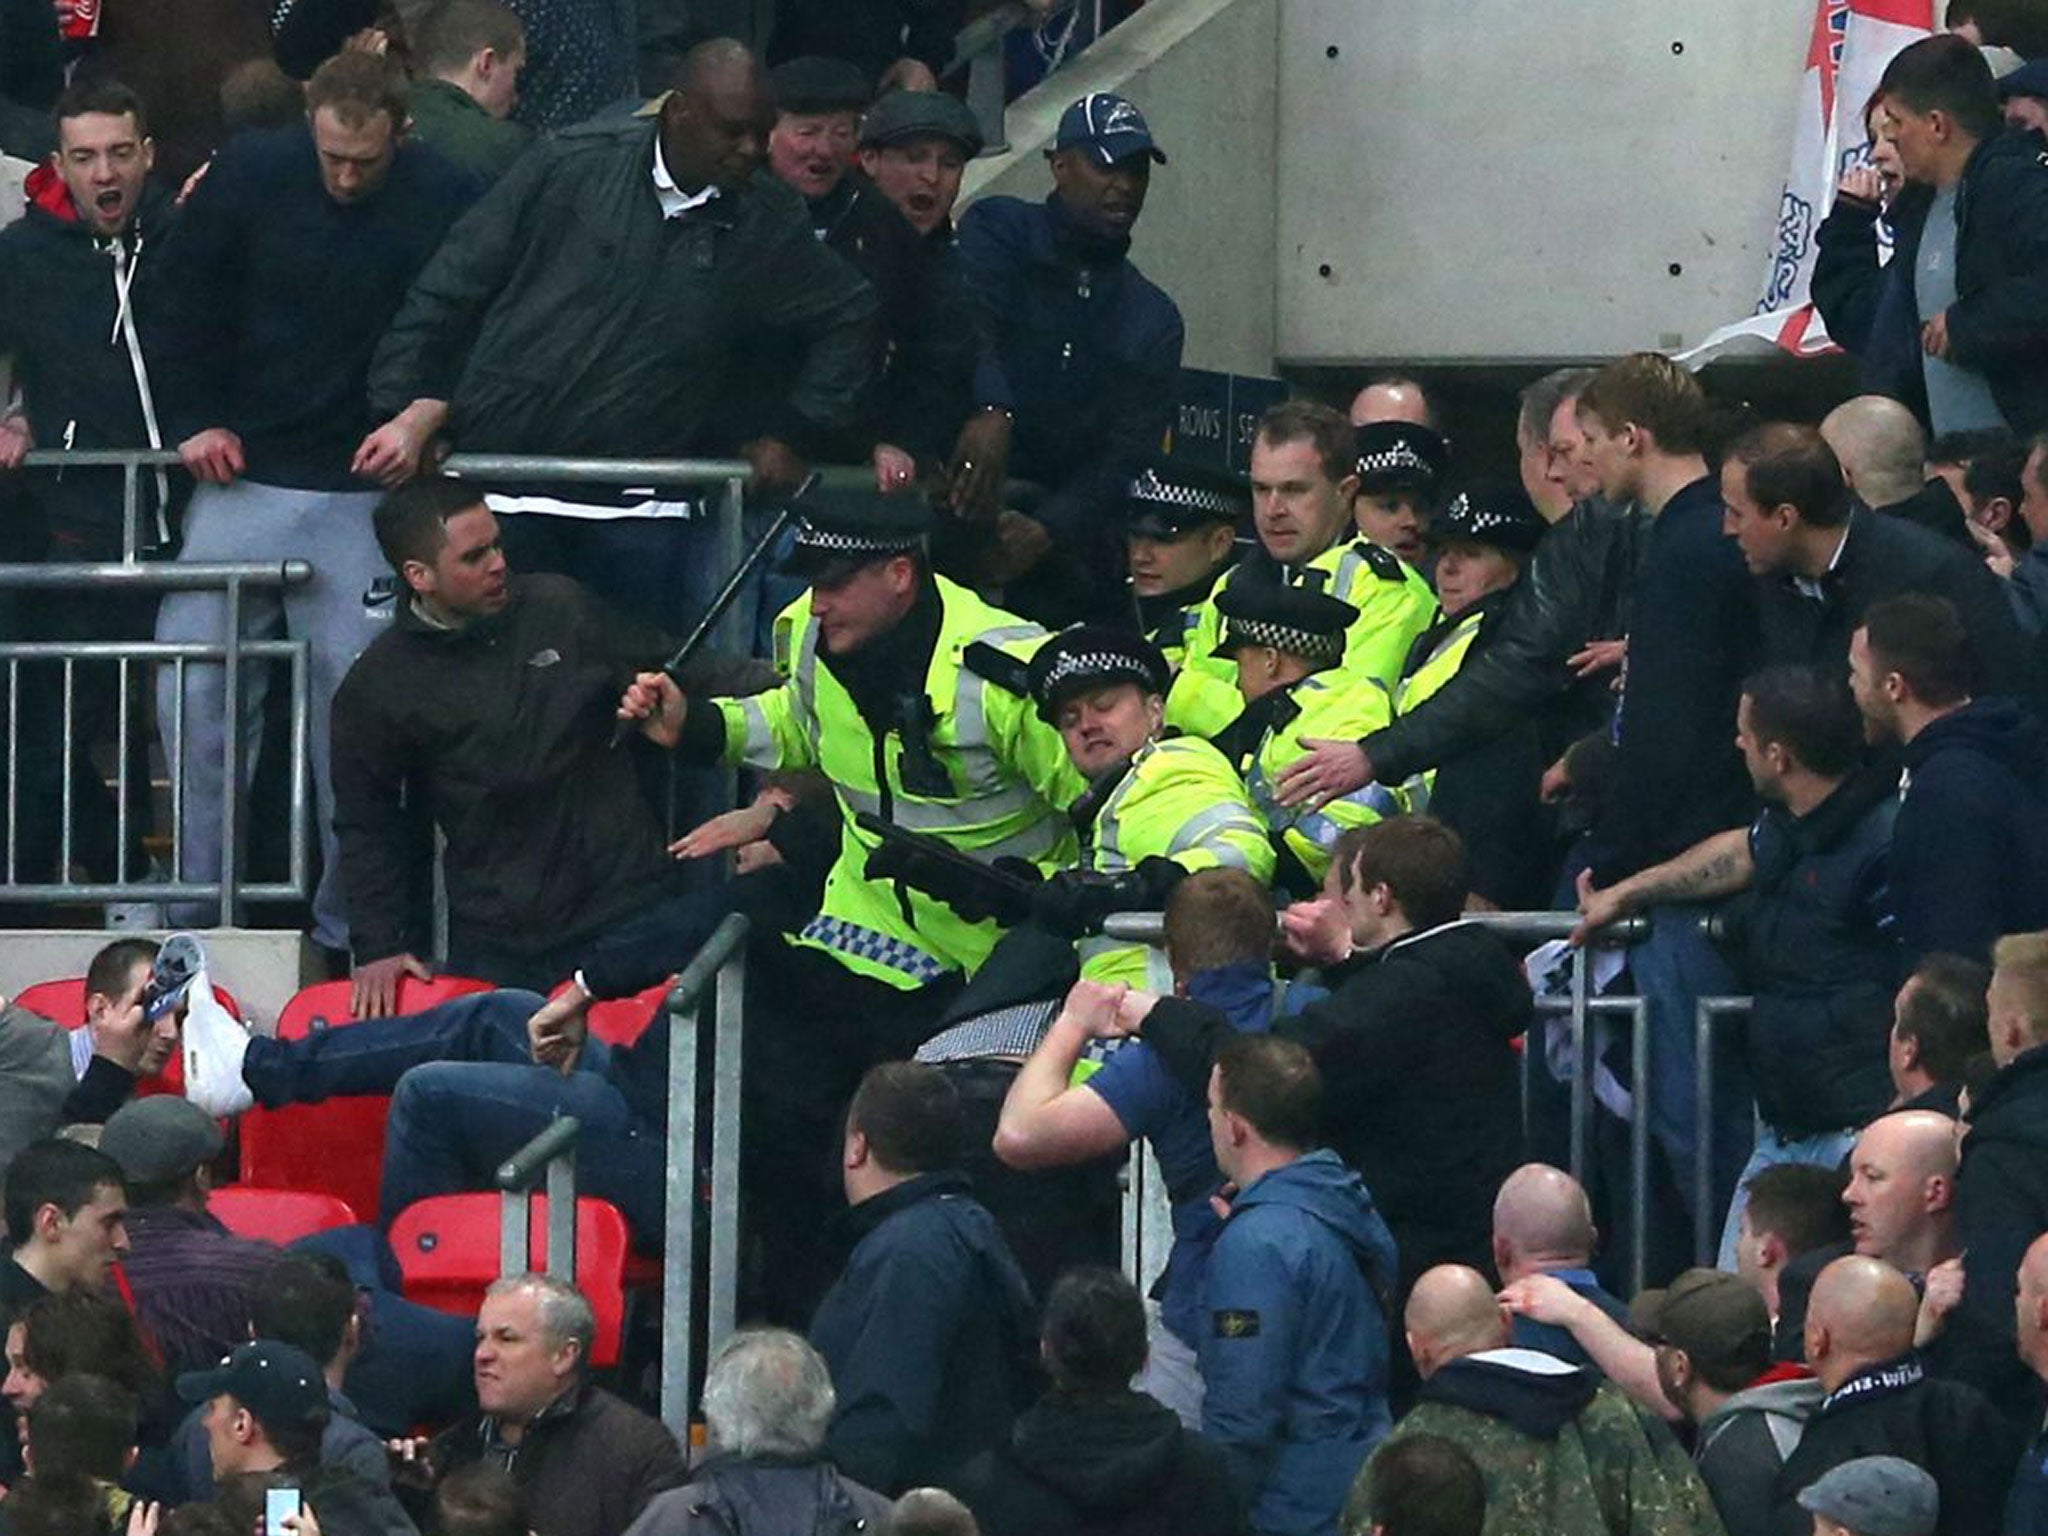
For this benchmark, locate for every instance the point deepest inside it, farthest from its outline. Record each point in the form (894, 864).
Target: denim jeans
(466, 1094)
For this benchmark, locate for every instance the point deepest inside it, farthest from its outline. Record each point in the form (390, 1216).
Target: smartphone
(278, 1505)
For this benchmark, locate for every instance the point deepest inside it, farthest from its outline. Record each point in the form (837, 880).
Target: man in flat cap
(1482, 540)
(1180, 526)
(1288, 646)
(1089, 353)
(914, 146)
(908, 693)
(1401, 465)
(920, 398)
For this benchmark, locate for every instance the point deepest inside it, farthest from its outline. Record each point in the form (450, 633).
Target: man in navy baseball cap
(1109, 126)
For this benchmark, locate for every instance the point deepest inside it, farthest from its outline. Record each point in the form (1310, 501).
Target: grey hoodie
(1742, 1444)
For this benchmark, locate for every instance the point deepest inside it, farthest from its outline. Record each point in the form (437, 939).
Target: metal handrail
(719, 967)
(162, 575)
(552, 1152)
(1150, 927)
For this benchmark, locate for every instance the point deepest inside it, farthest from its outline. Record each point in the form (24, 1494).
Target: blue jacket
(1149, 1102)
(925, 1332)
(1296, 1353)
(1089, 352)
(1970, 847)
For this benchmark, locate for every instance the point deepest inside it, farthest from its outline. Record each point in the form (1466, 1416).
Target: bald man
(1543, 1225)
(1884, 458)
(594, 304)
(1881, 1402)
(2027, 1509)
(1560, 1450)
(1901, 1194)
(1394, 398)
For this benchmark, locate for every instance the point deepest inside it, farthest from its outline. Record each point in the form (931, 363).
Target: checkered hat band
(811, 536)
(1285, 637)
(1148, 489)
(1462, 517)
(1091, 666)
(1388, 460)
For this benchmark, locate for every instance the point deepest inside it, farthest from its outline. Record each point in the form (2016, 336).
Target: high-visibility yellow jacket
(1394, 605)
(1430, 674)
(1009, 773)
(1180, 800)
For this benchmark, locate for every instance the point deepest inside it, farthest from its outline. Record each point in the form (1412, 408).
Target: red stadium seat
(623, 1020)
(63, 1002)
(335, 1147)
(278, 1215)
(447, 1248)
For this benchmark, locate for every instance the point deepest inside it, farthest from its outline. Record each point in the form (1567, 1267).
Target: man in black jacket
(596, 303)
(1881, 1401)
(485, 711)
(928, 1326)
(80, 274)
(1092, 1453)
(1970, 848)
(1980, 273)
(1810, 933)
(1820, 563)
(1414, 1044)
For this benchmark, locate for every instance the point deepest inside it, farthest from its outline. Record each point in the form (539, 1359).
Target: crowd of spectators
(1760, 699)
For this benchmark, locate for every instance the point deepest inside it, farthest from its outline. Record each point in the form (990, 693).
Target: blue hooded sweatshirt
(1295, 1353)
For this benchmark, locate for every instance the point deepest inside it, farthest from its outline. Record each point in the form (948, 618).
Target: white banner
(1851, 43)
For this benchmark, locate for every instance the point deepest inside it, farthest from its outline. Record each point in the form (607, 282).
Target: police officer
(1288, 646)
(1482, 539)
(1304, 480)
(1400, 466)
(1181, 535)
(1155, 809)
(906, 692)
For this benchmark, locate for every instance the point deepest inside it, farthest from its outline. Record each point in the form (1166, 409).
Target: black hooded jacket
(1113, 1464)
(1970, 848)
(59, 318)
(1420, 1088)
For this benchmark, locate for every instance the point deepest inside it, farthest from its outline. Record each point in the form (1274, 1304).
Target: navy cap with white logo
(1109, 125)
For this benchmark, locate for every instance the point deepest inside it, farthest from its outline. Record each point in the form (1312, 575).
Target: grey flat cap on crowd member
(902, 115)
(1109, 126)
(159, 1138)
(1876, 1496)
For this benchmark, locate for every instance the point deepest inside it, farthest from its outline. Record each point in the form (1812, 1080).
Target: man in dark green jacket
(468, 55)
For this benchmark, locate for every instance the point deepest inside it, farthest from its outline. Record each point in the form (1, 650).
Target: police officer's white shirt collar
(675, 202)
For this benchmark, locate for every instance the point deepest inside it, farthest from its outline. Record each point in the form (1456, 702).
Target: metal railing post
(718, 964)
(562, 1217)
(551, 1152)
(1706, 1222)
(726, 1064)
(514, 1258)
(1582, 1063)
(1639, 1142)
(131, 509)
(231, 752)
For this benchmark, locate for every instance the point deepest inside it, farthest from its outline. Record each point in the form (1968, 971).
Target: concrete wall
(1203, 72)
(261, 967)
(1361, 181)
(1497, 180)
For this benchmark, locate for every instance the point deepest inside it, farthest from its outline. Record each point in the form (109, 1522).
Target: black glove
(1073, 902)
(975, 899)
